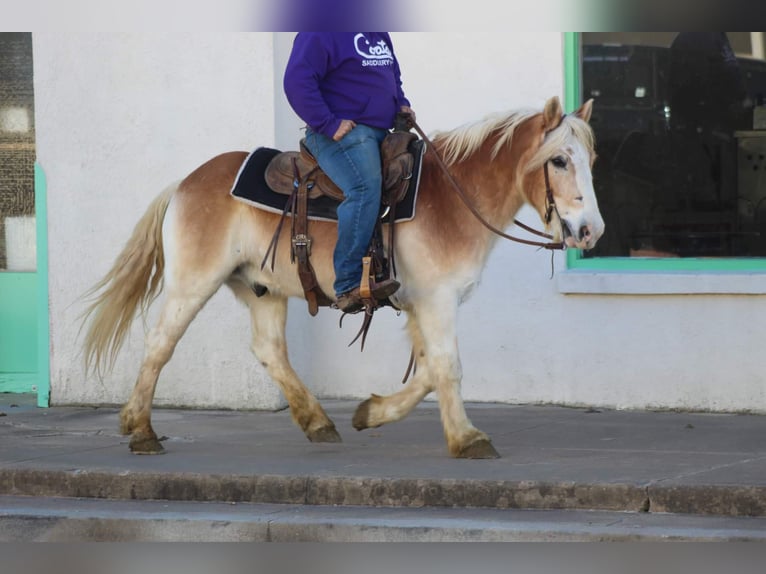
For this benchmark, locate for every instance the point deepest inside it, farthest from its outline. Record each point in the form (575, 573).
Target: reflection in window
(17, 153)
(680, 122)
(14, 120)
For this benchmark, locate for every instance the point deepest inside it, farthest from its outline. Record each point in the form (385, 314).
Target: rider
(347, 87)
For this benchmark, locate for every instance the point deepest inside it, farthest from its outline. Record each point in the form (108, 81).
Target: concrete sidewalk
(639, 471)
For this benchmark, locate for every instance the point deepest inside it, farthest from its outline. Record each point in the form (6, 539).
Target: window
(17, 154)
(680, 123)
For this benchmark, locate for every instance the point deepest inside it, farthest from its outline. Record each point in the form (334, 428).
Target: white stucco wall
(119, 116)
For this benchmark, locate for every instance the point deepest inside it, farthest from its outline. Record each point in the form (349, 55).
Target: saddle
(396, 160)
(298, 175)
(281, 173)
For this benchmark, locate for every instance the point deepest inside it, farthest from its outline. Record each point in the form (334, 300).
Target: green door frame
(26, 312)
(43, 320)
(575, 260)
(18, 321)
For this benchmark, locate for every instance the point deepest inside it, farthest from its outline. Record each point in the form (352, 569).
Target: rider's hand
(409, 110)
(344, 127)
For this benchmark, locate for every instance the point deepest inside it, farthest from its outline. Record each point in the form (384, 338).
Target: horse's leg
(177, 312)
(437, 320)
(268, 316)
(436, 324)
(437, 317)
(379, 410)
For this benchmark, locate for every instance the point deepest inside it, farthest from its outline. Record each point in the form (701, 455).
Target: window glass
(680, 123)
(17, 154)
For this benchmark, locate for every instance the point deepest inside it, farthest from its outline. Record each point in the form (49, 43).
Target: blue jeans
(353, 163)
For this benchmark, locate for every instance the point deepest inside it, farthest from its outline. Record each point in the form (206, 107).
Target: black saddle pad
(250, 186)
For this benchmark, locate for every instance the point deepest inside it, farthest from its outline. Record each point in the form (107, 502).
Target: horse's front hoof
(361, 419)
(363, 413)
(481, 448)
(145, 444)
(324, 434)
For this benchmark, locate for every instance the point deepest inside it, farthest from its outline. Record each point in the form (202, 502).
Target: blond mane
(462, 142)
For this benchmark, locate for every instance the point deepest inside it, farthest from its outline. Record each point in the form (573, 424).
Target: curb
(716, 500)
(377, 492)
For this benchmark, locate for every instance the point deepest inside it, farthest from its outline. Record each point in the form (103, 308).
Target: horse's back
(215, 175)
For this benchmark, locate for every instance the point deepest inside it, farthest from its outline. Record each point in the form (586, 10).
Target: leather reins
(549, 200)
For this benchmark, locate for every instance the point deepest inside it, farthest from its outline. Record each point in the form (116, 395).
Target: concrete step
(76, 519)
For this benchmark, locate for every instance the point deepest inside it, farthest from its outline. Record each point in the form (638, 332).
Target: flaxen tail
(133, 282)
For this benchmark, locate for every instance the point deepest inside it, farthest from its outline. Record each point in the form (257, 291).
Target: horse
(195, 237)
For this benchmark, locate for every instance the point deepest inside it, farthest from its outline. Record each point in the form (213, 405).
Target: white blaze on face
(589, 216)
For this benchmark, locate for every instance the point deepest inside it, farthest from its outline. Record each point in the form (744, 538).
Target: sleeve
(401, 99)
(308, 63)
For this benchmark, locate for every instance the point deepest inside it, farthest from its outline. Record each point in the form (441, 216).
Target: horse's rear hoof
(324, 434)
(146, 445)
(481, 448)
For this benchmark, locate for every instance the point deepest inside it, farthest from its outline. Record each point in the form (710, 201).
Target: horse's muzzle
(586, 235)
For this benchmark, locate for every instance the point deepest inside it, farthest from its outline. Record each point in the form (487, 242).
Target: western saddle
(298, 176)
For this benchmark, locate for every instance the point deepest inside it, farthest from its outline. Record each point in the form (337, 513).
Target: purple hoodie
(332, 76)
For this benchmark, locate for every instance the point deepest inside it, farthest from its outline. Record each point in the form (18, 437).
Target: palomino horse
(195, 237)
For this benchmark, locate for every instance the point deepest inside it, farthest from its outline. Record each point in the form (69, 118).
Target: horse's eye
(559, 162)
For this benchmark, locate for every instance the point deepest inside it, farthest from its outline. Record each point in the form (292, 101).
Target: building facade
(119, 116)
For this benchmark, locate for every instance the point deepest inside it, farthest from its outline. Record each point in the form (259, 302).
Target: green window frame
(575, 260)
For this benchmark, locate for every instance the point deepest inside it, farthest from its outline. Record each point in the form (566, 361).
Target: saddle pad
(250, 186)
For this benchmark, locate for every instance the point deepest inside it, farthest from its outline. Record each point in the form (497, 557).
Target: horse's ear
(585, 110)
(552, 114)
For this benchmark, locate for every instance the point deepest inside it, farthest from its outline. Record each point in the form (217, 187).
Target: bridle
(550, 203)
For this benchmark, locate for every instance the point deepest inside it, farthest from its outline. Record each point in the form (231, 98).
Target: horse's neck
(490, 186)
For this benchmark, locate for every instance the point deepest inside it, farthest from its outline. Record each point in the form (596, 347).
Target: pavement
(66, 474)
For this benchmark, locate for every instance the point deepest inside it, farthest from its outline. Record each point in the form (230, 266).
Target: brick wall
(17, 140)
